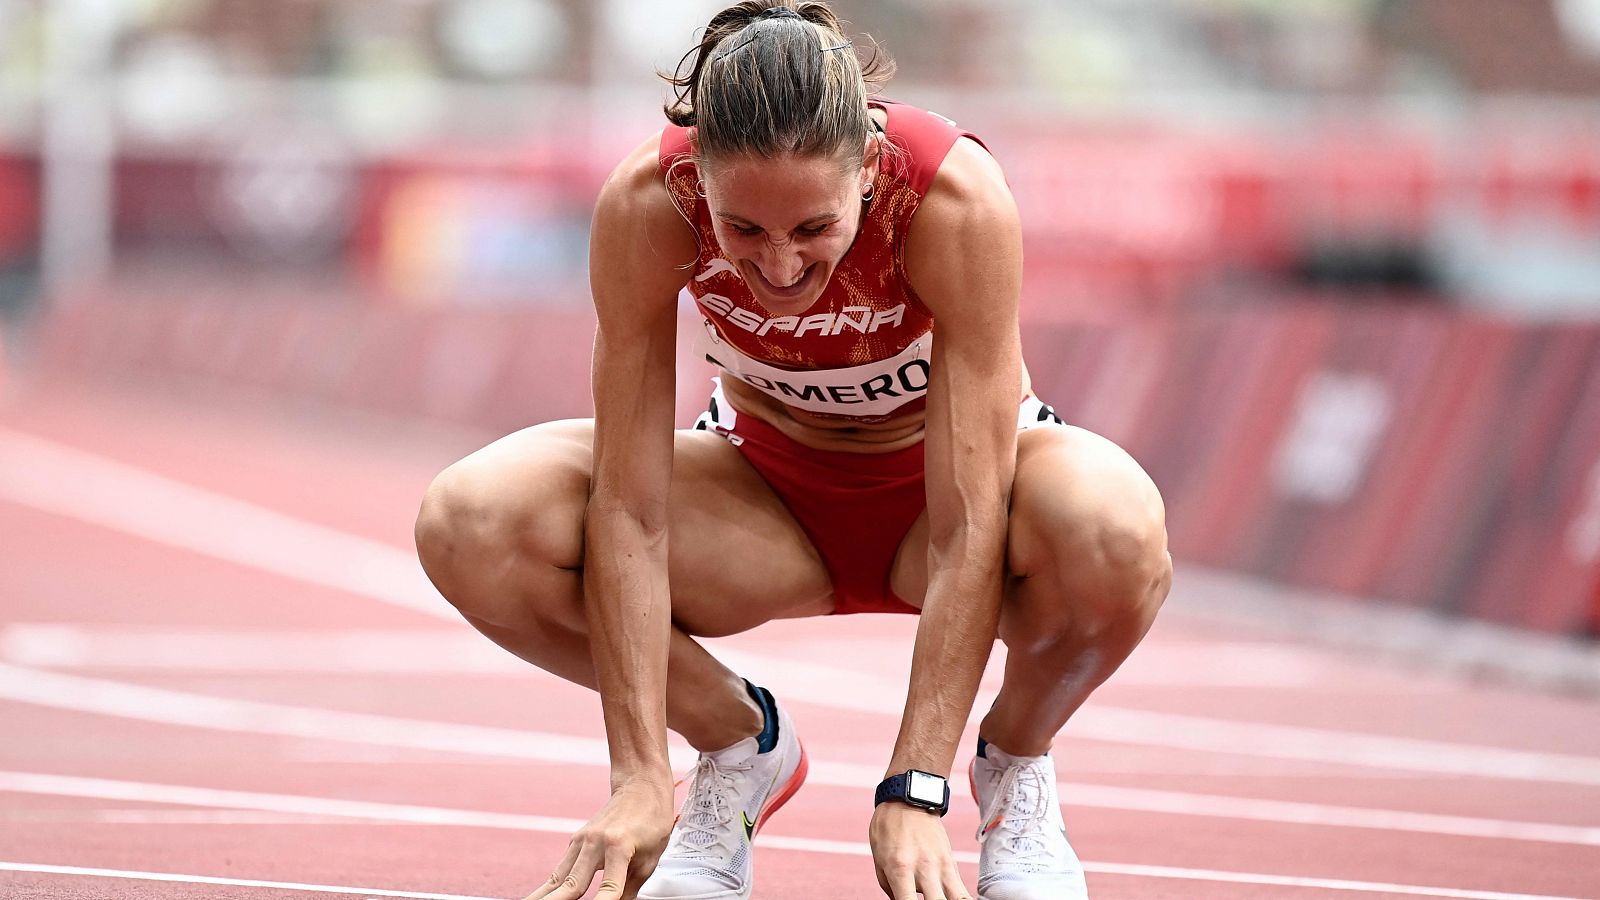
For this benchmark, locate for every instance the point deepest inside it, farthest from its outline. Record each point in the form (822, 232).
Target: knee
(1113, 581)
(457, 519)
(483, 531)
(1127, 559)
(1089, 544)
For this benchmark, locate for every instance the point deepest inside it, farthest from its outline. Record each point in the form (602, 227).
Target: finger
(614, 880)
(560, 872)
(930, 883)
(903, 884)
(898, 881)
(640, 867)
(576, 883)
(954, 887)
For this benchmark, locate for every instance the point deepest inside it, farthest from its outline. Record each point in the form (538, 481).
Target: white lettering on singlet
(873, 389)
(860, 319)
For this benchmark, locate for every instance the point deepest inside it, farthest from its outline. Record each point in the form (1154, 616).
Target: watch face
(925, 788)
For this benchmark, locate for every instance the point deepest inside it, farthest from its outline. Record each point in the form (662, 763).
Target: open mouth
(791, 292)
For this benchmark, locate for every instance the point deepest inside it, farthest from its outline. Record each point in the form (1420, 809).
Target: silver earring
(700, 189)
(872, 191)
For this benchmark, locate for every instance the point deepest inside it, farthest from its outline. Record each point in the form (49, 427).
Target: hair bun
(793, 69)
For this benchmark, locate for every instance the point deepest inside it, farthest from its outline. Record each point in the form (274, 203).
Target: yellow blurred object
(423, 221)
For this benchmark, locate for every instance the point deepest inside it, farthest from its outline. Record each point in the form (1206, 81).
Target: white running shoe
(1024, 854)
(732, 793)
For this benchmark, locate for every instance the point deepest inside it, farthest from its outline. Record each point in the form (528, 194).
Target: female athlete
(849, 462)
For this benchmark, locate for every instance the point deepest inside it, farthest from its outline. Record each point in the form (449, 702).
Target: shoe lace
(1018, 813)
(709, 809)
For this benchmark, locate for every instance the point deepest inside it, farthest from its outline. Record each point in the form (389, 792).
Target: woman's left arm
(964, 259)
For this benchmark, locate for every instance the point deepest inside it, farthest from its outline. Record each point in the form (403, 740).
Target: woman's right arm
(638, 250)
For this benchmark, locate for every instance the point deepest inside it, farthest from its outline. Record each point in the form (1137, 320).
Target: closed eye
(746, 230)
(816, 230)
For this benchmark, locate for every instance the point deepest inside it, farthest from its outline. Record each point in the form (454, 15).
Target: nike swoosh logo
(749, 826)
(715, 266)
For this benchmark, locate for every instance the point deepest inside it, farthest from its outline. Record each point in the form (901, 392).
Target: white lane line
(1220, 806)
(1341, 748)
(91, 695)
(70, 482)
(177, 817)
(60, 785)
(1160, 661)
(216, 798)
(170, 878)
(839, 688)
(1328, 884)
(404, 651)
(419, 651)
(129, 701)
(450, 651)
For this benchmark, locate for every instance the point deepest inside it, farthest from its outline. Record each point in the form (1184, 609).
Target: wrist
(648, 779)
(935, 760)
(917, 789)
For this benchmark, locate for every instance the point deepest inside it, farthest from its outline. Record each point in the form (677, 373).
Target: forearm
(956, 634)
(630, 622)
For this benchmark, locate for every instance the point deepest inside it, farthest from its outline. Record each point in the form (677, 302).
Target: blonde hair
(774, 78)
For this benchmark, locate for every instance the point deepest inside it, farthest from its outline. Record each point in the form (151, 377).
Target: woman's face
(786, 222)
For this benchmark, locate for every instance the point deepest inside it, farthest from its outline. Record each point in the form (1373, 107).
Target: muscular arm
(964, 257)
(638, 241)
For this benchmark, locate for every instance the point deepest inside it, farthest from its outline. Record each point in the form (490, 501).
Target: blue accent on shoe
(983, 747)
(767, 740)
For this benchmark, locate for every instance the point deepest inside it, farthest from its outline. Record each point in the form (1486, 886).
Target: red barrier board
(1412, 455)
(1416, 456)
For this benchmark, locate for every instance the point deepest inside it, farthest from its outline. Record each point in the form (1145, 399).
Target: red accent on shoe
(776, 802)
(972, 782)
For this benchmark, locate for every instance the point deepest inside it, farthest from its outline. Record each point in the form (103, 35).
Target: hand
(622, 844)
(911, 852)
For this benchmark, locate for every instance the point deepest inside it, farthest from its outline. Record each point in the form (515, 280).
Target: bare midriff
(834, 432)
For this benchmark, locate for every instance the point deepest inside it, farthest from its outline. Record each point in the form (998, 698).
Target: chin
(810, 288)
(788, 307)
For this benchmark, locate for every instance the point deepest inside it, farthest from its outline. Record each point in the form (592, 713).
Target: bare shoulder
(964, 247)
(968, 187)
(638, 226)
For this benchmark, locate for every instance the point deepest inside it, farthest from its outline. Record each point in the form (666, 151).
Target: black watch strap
(898, 787)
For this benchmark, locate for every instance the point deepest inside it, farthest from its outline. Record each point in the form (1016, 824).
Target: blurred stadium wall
(1330, 268)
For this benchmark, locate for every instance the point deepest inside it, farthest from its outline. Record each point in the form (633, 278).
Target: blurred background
(1329, 268)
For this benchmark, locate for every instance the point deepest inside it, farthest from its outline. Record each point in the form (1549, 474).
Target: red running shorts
(855, 507)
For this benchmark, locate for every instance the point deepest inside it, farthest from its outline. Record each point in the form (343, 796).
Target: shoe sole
(789, 790)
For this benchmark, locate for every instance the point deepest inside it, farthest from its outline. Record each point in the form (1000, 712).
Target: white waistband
(873, 389)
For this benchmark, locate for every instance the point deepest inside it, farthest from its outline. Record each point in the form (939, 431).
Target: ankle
(1016, 744)
(727, 723)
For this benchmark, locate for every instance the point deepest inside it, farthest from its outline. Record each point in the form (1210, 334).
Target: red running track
(222, 675)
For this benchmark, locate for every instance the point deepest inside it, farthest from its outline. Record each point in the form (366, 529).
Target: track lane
(1122, 837)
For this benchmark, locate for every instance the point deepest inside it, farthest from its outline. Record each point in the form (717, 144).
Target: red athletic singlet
(862, 350)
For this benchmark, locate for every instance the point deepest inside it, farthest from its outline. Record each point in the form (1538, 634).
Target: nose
(780, 264)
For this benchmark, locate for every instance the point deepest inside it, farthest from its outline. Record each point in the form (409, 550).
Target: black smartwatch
(923, 790)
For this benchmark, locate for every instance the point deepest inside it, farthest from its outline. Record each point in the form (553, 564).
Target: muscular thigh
(1067, 480)
(736, 556)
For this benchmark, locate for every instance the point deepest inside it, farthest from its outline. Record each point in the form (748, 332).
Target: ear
(694, 161)
(871, 160)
